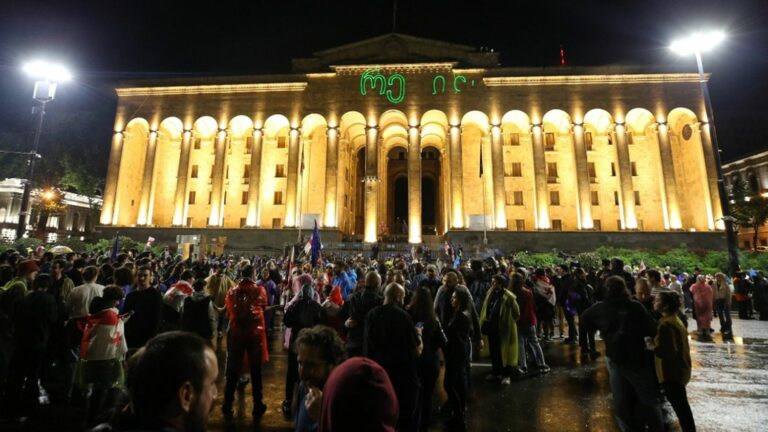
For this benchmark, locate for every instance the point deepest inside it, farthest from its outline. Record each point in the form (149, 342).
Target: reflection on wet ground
(728, 390)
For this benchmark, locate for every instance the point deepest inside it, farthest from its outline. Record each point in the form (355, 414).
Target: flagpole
(301, 180)
(482, 183)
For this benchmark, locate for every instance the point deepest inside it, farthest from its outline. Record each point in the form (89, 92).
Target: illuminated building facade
(365, 136)
(752, 171)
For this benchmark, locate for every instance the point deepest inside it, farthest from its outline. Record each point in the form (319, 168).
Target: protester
(146, 305)
(198, 314)
(498, 321)
(624, 324)
(722, 303)
(457, 357)
(318, 350)
(355, 309)
(392, 340)
(246, 338)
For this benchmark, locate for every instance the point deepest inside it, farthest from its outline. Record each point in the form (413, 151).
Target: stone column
(217, 190)
(625, 177)
(668, 174)
(292, 180)
(497, 159)
(331, 177)
(147, 180)
(113, 173)
(371, 180)
(541, 198)
(254, 183)
(712, 179)
(182, 180)
(582, 177)
(457, 178)
(414, 185)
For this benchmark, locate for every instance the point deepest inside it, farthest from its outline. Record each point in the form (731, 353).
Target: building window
(189, 222)
(514, 139)
(191, 199)
(613, 169)
(588, 140)
(630, 138)
(198, 142)
(549, 141)
(517, 198)
(618, 225)
(280, 170)
(248, 144)
(278, 200)
(226, 174)
(281, 140)
(595, 197)
(346, 201)
(633, 165)
(401, 155)
(554, 198)
(639, 224)
(557, 225)
(747, 244)
(615, 198)
(597, 225)
(246, 174)
(592, 172)
(276, 223)
(551, 172)
(637, 198)
(242, 222)
(225, 198)
(517, 169)
(244, 199)
(520, 224)
(194, 171)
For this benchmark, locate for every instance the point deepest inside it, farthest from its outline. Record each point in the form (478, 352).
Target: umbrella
(58, 250)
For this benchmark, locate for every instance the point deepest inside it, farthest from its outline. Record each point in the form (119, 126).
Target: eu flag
(316, 245)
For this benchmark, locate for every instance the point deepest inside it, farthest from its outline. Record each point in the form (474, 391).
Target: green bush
(25, 245)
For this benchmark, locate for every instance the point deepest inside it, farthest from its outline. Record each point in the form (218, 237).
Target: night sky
(107, 41)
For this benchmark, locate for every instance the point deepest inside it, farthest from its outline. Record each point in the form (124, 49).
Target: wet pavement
(728, 390)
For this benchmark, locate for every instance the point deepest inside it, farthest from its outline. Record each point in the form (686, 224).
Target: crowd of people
(132, 337)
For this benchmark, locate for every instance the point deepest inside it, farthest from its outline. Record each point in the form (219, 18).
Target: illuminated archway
(131, 173)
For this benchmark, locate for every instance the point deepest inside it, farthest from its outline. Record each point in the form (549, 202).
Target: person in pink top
(703, 302)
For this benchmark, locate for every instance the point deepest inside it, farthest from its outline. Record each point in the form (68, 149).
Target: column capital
(495, 128)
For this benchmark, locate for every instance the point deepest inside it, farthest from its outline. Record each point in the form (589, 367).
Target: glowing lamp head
(48, 195)
(44, 71)
(697, 42)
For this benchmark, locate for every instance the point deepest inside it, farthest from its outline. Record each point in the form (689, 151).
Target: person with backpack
(583, 296)
(198, 314)
(305, 312)
(246, 337)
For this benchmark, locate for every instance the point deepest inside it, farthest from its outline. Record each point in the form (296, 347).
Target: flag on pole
(115, 248)
(308, 247)
(481, 160)
(316, 245)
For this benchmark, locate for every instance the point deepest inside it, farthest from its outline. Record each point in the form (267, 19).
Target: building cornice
(212, 89)
(401, 67)
(592, 79)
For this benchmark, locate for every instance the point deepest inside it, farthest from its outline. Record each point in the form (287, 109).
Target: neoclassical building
(399, 134)
(752, 170)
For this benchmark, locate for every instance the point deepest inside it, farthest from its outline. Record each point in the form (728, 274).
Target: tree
(749, 210)
(77, 177)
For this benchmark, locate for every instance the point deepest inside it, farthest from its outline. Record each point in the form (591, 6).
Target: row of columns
(670, 203)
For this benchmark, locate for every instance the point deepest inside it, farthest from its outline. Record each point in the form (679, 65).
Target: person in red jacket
(246, 337)
(526, 326)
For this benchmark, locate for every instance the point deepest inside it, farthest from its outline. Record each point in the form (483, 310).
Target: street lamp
(696, 44)
(47, 76)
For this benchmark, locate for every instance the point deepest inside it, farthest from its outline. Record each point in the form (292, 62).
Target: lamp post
(695, 44)
(47, 76)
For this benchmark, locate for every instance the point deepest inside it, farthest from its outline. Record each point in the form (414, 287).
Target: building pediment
(394, 48)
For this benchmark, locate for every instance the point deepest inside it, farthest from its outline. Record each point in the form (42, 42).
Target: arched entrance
(431, 192)
(428, 206)
(400, 206)
(360, 193)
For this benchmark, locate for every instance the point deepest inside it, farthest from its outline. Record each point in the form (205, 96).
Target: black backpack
(194, 317)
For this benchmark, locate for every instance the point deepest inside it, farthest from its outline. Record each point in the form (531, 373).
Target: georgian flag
(103, 337)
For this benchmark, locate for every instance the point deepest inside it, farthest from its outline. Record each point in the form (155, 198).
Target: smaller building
(75, 219)
(753, 172)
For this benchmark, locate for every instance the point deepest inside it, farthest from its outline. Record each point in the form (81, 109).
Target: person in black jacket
(33, 318)
(428, 364)
(457, 356)
(392, 340)
(356, 308)
(305, 312)
(146, 304)
(624, 324)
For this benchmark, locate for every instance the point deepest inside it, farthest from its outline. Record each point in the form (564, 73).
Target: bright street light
(52, 72)
(697, 42)
(47, 76)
